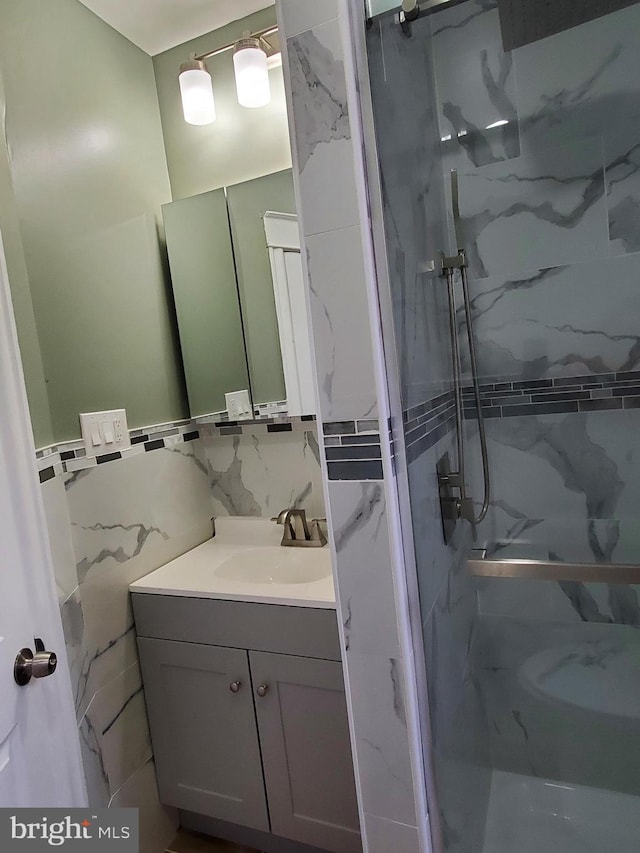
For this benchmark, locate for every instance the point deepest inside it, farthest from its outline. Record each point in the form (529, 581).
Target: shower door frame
(354, 18)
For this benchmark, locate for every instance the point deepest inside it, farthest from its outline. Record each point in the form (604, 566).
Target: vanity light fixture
(252, 73)
(253, 57)
(196, 91)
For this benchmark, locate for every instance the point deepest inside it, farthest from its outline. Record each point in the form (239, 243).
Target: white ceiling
(157, 25)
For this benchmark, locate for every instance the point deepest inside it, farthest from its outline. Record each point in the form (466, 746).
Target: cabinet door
(302, 720)
(204, 734)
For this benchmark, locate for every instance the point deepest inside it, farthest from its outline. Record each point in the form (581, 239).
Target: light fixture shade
(196, 91)
(252, 74)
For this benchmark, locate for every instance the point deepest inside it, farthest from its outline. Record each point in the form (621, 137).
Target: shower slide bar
(464, 505)
(479, 565)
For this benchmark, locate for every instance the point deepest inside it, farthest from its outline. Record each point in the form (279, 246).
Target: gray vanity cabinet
(204, 733)
(248, 718)
(302, 721)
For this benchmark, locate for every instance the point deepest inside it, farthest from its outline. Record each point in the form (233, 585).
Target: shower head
(525, 21)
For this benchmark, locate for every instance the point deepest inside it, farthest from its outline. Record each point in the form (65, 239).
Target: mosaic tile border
(352, 450)
(70, 456)
(284, 423)
(596, 392)
(428, 422)
(262, 411)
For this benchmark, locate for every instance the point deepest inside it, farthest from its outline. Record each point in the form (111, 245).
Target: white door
(40, 761)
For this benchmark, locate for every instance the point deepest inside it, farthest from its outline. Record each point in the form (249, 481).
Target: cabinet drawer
(302, 631)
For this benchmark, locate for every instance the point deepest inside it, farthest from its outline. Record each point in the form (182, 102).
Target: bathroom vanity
(243, 681)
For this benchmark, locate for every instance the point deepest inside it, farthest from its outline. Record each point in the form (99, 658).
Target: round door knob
(234, 687)
(28, 665)
(262, 690)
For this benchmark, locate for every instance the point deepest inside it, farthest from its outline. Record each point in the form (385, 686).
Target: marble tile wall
(109, 525)
(548, 201)
(561, 700)
(546, 196)
(378, 669)
(545, 140)
(408, 143)
(261, 472)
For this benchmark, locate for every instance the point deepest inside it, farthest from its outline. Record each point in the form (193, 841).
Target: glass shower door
(530, 628)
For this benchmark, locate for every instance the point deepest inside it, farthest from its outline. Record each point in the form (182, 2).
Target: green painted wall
(21, 298)
(89, 176)
(242, 143)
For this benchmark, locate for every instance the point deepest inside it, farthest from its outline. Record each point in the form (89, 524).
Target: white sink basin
(245, 562)
(270, 565)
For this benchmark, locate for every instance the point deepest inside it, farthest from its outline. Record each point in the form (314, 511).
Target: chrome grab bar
(479, 565)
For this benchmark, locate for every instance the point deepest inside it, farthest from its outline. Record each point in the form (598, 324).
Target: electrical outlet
(104, 432)
(238, 405)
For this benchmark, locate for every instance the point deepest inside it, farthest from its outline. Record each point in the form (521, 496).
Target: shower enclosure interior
(530, 616)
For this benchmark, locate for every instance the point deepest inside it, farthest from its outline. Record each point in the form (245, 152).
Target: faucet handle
(300, 514)
(317, 534)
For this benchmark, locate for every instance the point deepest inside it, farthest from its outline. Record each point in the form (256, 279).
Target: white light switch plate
(238, 405)
(105, 432)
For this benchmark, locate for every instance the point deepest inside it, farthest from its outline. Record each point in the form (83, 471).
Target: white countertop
(245, 562)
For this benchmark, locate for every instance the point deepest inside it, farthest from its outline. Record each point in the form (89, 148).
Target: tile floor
(192, 842)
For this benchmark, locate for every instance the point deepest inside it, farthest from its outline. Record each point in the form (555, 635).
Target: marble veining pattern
(558, 698)
(549, 200)
(476, 86)
(319, 95)
(365, 586)
(592, 332)
(339, 314)
(261, 473)
(538, 210)
(414, 205)
(322, 132)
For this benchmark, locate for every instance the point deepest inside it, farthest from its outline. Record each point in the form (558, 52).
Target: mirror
(234, 258)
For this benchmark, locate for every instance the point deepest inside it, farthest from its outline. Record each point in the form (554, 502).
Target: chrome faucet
(297, 532)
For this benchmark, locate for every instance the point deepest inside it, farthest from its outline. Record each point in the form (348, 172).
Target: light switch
(105, 432)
